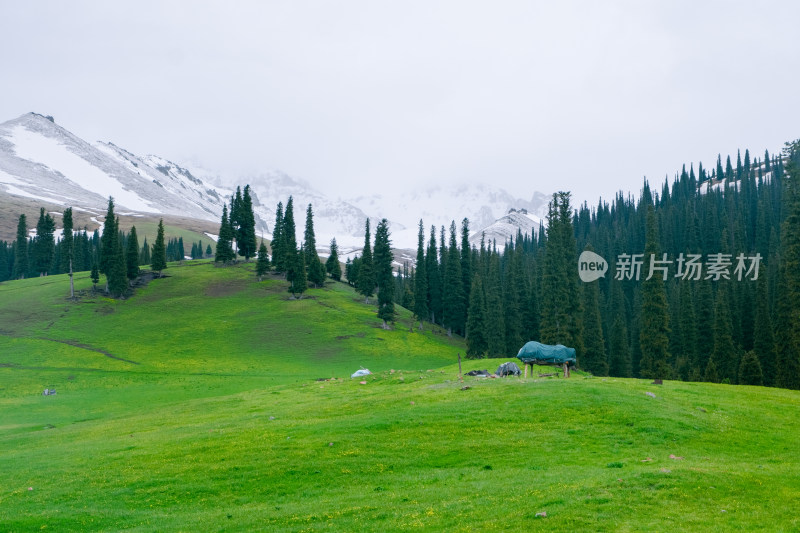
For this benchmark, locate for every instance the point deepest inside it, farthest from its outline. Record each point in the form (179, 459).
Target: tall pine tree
(117, 272)
(594, 354)
(158, 261)
(495, 324)
(262, 265)
(788, 318)
(246, 233)
(67, 242)
(224, 253)
(477, 343)
(434, 279)
(561, 309)
(454, 306)
(366, 272)
(132, 255)
(44, 243)
(278, 243)
(21, 249)
(316, 270)
(108, 240)
(297, 272)
(654, 332)
(382, 260)
(332, 265)
(724, 355)
(68, 249)
(421, 310)
(764, 339)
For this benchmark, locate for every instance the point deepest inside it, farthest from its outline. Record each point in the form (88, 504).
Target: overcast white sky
(355, 96)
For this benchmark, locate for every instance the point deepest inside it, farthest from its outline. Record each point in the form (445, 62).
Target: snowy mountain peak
(41, 160)
(507, 227)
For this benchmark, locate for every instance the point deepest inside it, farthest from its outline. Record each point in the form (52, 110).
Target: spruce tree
(477, 343)
(144, 255)
(686, 359)
(159, 253)
(366, 272)
(530, 315)
(750, 370)
(277, 245)
(705, 323)
(654, 329)
(788, 318)
(561, 304)
(724, 354)
(293, 263)
(246, 234)
(434, 279)
(619, 346)
(316, 271)
(332, 265)
(594, 347)
(710, 375)
(382, 260)
(764, 339)
(21, 249)
(262, 265)
(95, 275)
(454, 305)
(351, 270)
(132, 255)
(466, 266)
(495, 324)
(421, 310)
(67, 242)
(68, 249)
(117, 272)
(224, 248)
(297, 272)
(289, 234)
(108, 239)
(513, 291)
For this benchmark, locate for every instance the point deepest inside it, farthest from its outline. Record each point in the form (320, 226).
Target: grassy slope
(221, 425)
(149, 229)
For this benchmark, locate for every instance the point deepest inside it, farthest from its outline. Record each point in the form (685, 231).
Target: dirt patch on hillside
(146, 277)
(359, 335)
(225, 288)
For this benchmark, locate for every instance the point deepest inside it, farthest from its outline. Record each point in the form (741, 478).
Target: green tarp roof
(538, 353)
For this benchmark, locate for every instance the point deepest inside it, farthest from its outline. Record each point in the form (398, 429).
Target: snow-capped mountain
(41, 160)
(482, 204)
(332, 218)
(507, 227)
(44, 162)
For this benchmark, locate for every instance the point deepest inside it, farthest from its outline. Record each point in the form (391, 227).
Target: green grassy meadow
(195, 405)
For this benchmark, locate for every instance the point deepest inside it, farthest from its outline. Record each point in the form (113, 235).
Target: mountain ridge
(42, 162)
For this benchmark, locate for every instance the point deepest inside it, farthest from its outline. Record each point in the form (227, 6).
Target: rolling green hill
(195, 405)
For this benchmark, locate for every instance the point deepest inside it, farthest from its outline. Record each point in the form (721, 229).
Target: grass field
(195, 406)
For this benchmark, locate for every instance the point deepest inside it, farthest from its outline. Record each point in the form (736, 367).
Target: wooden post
(459, 367)
(526, 371)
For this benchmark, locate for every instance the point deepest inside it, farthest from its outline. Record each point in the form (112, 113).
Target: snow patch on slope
(56, 156)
